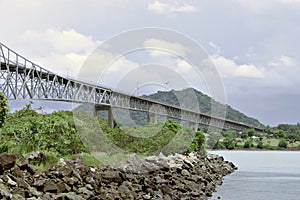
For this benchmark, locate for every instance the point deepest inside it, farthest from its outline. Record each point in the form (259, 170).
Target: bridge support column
(152, 117)
(110, 117)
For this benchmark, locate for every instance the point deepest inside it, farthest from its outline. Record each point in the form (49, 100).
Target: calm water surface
(262, 175)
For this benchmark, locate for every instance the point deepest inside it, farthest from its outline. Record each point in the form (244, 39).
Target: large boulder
(7, 161)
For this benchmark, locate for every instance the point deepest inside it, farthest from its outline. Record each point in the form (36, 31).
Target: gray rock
(84, 190)
(50, 186)
(185, 172)
(34, 192)
(17, 197)
(4, 191)
(89, 187)
(70, 196)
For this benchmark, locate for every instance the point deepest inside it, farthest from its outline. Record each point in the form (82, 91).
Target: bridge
(22, 79)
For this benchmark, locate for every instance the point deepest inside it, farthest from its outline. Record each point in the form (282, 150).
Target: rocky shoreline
(160, 177)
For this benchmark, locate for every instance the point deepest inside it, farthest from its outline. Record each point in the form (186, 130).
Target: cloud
(229, 68)
(164, 48)
(261, 5)
(283, 61)
(183, 66)
(170, 7)
(61, 51)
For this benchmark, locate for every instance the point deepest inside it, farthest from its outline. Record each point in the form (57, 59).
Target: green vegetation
(186, 98)
(281, 137)
(3, 109)
(56, 135)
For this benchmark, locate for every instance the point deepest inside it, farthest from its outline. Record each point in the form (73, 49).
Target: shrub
(282, 144)
(247, 144)
(229, 143)
(259, 144)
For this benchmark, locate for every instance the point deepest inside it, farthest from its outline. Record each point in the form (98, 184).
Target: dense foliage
(283, 137)
(3, 109)
(27, 130)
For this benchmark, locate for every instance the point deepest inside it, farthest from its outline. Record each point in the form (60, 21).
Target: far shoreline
(254, 149)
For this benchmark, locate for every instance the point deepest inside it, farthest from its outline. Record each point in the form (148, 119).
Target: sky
(254, 46)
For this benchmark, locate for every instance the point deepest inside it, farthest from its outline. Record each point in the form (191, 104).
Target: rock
(158, 194)
(84, 190)
(20, 192)
(39, 183)
(160, 180)
(22, 183)
(50, 186)
(8, 161)
(46, 197)
(69, 196)
(62, 187)
(89, 187)
(34, 192)
(111, 176)
(17, 197)
(185, 172)
(4, 192)
(147, 196)
(164, 177)
(23, 165)
(10, 181)
(70, 180)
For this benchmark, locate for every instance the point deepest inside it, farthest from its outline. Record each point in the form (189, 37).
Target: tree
(251, 132)
(244, 135)
(3, 109)
(280, 134)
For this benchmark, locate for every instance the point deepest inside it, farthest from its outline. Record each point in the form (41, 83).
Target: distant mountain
(190, 98)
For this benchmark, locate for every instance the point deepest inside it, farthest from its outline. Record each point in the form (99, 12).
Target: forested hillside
(187, 98)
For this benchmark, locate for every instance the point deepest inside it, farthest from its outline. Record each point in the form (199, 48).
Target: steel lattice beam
(22, 79)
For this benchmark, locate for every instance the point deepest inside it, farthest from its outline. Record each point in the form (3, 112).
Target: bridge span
(22, 79)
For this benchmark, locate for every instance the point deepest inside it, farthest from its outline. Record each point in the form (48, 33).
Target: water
(262, 175)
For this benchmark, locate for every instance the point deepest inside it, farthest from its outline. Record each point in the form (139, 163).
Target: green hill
(189, 98)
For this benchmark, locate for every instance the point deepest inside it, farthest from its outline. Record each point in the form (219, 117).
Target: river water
(262, 175)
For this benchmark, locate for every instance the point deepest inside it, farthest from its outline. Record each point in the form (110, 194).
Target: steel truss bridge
(22, 79)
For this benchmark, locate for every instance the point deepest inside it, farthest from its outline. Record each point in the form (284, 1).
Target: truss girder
(22, 79)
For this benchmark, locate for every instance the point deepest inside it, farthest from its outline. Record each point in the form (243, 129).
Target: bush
(282, 144)
(3, 109)
(259, 144)
(229, 143)
(247, 144)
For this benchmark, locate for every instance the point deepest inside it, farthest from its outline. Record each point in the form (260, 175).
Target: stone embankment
(160, 177)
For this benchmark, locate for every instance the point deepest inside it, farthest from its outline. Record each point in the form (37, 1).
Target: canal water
(262, 175)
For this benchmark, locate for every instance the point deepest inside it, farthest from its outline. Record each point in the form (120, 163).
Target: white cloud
(283, 61)
(170, 7)
(163, 48)
(250, 71)
(183, 66)
(229, 68)
(60, 51)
